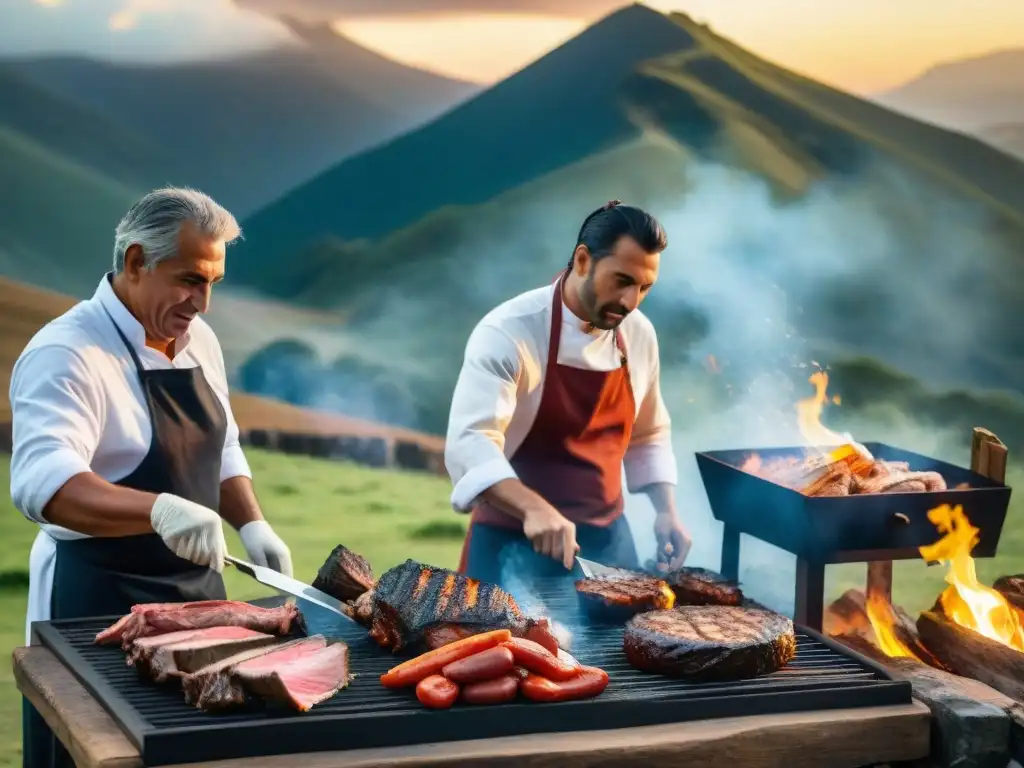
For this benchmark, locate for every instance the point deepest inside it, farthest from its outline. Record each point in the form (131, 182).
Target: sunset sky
(861, 45)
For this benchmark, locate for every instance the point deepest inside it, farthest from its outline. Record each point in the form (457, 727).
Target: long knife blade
(595, 570)
(290, 586)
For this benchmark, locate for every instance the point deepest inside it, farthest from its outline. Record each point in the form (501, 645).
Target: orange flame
(966, 601)
(816, 434)
(880, 614)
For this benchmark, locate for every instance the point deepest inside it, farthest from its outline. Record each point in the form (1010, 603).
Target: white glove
(265, 547)
(189, 530)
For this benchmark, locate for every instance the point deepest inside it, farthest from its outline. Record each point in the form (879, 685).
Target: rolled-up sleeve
(650, 458)
(482, 407)
(57, 415)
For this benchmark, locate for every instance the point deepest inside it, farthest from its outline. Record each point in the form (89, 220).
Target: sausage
(437, 692)
(590, 682)
(432, 662)
(540, 660)
(486, 665)
(496, 691)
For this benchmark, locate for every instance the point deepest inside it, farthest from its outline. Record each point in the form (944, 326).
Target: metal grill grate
(166, 730)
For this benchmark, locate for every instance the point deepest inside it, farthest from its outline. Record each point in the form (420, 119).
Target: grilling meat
(709, 642)
(617, 597)
(149, 619)
(300, 674)
(414, 603)
(174, 654)
(700, 586)
(345, 575)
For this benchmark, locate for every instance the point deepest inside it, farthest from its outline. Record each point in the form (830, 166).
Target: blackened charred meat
(345, 575)
(412, 598)
(709, 642)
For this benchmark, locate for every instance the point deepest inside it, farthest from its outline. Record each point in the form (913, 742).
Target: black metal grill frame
(824, 675)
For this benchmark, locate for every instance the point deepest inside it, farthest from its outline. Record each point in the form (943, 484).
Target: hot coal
(300, 674)
(172, 655)
(149, 619)
(345, 575)
(617, 597)
(709, 642)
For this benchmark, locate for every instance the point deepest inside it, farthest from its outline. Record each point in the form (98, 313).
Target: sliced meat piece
(160, 618)
(362, 608)
(212, 686)
(709, 642)
(617, 597)
(345, 575)
(161, 657)
(411, 598)
(700, 586)
(297, 677)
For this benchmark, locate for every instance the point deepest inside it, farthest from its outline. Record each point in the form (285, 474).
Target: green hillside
(57, 216)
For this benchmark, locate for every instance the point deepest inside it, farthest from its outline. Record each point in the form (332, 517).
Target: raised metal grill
(156, 719)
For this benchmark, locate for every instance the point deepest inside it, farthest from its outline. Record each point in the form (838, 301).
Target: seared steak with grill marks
(345, 575)
(709, 642)
(617, 597)
(700, 586)
(160, 657)
(148, 619)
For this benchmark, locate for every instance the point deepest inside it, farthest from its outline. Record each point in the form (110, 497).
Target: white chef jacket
(78, 406)
(499, 389)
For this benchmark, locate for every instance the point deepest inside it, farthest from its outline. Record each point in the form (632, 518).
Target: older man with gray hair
(125, 449)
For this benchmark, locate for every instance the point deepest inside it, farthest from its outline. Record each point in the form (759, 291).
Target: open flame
(883, 620)
(966, 601)
(816, 434)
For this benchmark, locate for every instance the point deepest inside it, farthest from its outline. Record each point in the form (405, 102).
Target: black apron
(107, 576)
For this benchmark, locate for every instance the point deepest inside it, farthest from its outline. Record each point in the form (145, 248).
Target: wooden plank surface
(847, 738)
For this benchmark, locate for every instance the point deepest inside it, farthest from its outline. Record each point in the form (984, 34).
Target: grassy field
(387, 516)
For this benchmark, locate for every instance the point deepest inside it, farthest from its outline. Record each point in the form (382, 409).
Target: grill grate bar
(166, 730)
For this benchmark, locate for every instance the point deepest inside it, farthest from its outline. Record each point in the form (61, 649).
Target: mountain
(804, 223)
(967, 94)
(1008, 137)
(67, 176)
(634, 71)
(247, 129)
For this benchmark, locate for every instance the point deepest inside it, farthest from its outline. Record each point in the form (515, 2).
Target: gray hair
(154, 222)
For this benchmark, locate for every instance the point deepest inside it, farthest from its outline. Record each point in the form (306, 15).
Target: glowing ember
(966, 601)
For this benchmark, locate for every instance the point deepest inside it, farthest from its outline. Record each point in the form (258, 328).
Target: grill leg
(731, 553)
(810, 594)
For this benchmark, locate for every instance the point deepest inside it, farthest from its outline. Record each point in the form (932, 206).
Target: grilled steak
(150, 619)
(411, 598)
(345, 575)
(709, 642)
(174, 654)
(700, 586)
(300, 674)
(617, 597)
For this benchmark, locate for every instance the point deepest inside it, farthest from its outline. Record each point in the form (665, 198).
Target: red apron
(572, 455)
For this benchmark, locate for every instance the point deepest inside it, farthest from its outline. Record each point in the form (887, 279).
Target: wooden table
(845, 738)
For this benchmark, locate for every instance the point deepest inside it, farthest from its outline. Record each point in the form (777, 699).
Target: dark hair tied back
(613, 220)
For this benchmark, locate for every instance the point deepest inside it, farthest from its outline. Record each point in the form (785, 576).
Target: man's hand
(265, 547)
(551, 534)
(190, 530)
(673, 540)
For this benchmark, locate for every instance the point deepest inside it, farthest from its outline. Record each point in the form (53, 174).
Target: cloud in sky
(335, 9)
(136, 30)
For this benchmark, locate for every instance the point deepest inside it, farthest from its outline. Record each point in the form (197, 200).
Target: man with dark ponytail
(558, 392)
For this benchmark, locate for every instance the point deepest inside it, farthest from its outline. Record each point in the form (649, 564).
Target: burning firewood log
(973, 724)
(1012, 588)
(848, 616)
(968, 653)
